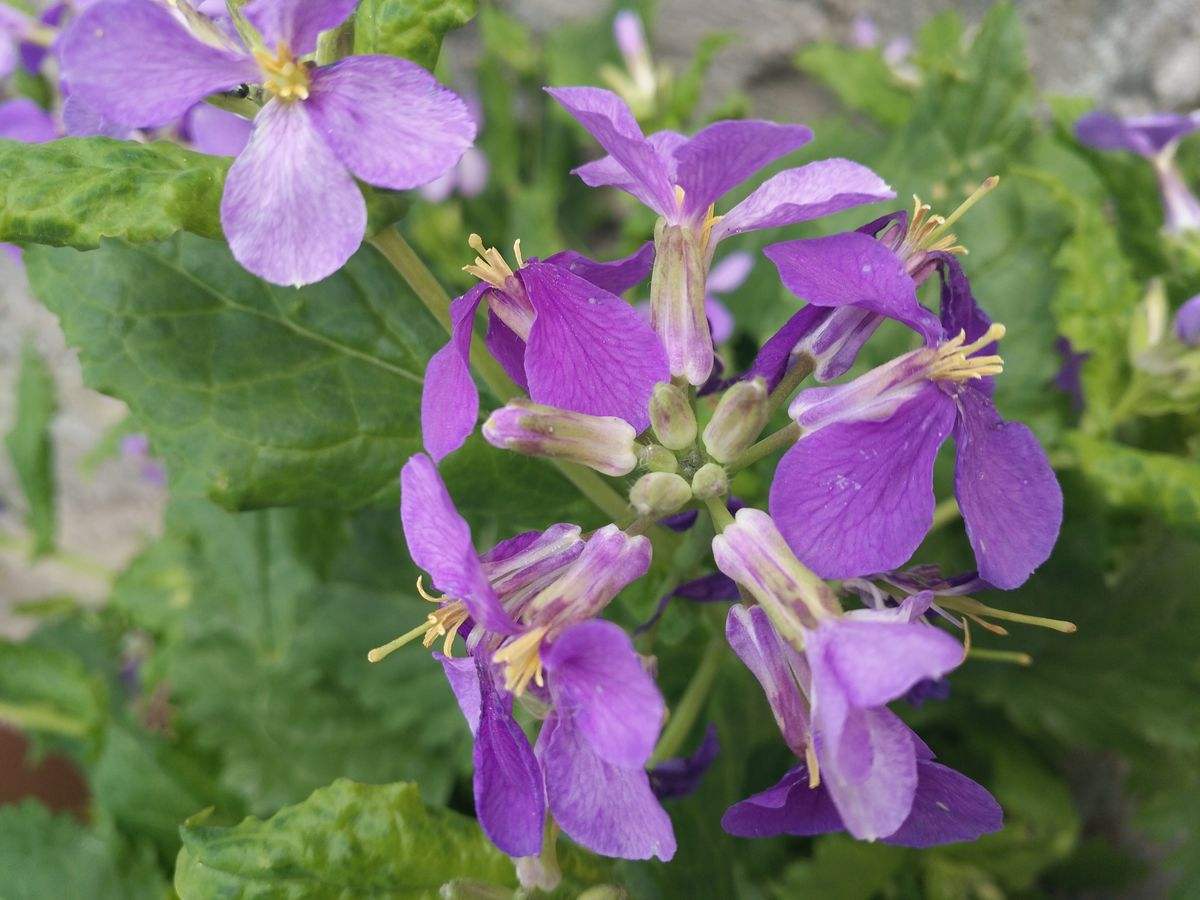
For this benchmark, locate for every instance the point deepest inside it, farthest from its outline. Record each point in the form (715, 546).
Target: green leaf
(76, 191)
(49, 691)
(253, 394)
(1159, 483)
(347, 839)
(861, 79)
(413, 29)
(31, 447)
(47, 855)
(843, 869)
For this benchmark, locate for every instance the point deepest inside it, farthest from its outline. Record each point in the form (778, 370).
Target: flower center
(953, 361)
(283, 75)
(710, 219)
(931, 234)
(490, 265)
(522, 661)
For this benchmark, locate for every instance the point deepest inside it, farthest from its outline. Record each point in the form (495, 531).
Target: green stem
(719, 511)
(239, 106)
(945, 513)
(1006, 656)
(800, 370)
(691, 704)
(779, 440)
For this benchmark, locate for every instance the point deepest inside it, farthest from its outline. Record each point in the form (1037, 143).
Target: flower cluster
(852, 499)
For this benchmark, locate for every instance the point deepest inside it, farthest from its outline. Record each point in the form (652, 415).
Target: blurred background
(1092, 749)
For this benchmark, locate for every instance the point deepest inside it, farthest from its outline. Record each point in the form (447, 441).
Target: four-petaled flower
(291, 210)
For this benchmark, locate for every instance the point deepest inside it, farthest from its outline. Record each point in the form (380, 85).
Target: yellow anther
(489, 265)
(931, 234)
(679, 195)
(283, 75)
(814, 768)
(522, 661)
(953, 361)
(446, 621)
(425, 595)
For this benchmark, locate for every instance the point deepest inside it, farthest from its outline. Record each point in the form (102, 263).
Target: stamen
(1015, 657)
(971, 606)
(489, 265)
(953, 361)
(706, 229)
(814, 768)
(380, 653)
(978, 194)
(931, 234)
(679, 195)
(522, 661)
(425, 595)
(283, 75)
(446, 621)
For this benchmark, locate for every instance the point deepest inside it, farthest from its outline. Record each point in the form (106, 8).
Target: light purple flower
(864, 771)
(531, 604)
(1154, 137)
(1187, 322)
(1069, 378)
(864, 32)
(682, 179)
(14, 27)
(470, 176)
(136, 448)
(560, 331)
(215, 131)
(854, 495)
(291, 209)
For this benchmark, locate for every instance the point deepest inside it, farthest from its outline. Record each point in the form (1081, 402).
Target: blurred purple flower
(1069, 379)
(136, 448)
(681, 775)
(1187, 322)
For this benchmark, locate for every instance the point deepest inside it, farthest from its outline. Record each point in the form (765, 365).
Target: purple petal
(1145, 135)
(609, 121)
(217, 132)
(449, 398)
(851, 269)
(596, 677)
(730, 273)
(607, 809)
(297, 23)
(439, 541)
(724, 154)
(809, 192)
(611, 560)
(773, 357)
(1011, 502)
(856, 498)
(1187, 323)
(681, 775)
(790, 807)
(463, 675)
(774, 663)
(23, 120)
(873, 802)
(948, 807)
(1181, 208)
(875, 662)
(720, 320)
(510, 800)
(137, 65)
(291, 211)
(9, 55)
(81, 120)
(961, 312)
(589, 351)
(615, 276)
(389, 121)
(716, 587)
(508, 349)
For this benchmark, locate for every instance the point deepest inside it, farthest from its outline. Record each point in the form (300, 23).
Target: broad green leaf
(253, 394)
(861, 79)
(1159, 483)
(413, 29)
(346, 840)
(76, 191)
(31, 447)
(49, 691)
(43, 854)
(843, 869)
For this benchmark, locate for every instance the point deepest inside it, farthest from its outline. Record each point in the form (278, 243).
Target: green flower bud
(671, 416)
(738, 420)
(657, 459)
(659, 494)
(710, 481)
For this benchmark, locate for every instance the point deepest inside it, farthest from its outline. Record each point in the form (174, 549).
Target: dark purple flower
(682, 775)
(854, 495)
(531, 604)
(560, 331)
(1154, 137)
(1187, 322)
(682, 179)
(715, 587)
(291, 209)
(1069, 379)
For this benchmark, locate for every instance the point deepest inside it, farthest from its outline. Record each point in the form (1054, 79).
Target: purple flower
(15, 26)
(854, 495)
(136, 448)
(560, 331)
(1069, 378)
(864, 32)
(828, 677)
(470, 176)
(1154, 137)
(215, 131)
(1187, 322)
(291, 209)
(682, 179)
(530, 604)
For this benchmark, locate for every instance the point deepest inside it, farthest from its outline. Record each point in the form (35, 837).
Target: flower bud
(710, 481)
(657, 459)
(677, 309)
(604, 443)
(739, 418)
(671, 416)
(659, 494)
